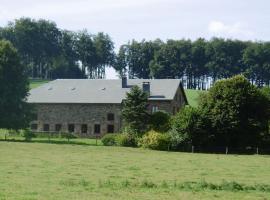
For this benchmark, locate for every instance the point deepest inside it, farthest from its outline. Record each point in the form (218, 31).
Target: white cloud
(235, 30)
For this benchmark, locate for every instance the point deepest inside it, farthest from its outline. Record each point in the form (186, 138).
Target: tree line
(49, 52)
(197, 62)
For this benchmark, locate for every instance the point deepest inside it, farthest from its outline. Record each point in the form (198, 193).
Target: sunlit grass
(67, 171)
(37, 82)
(192, 96)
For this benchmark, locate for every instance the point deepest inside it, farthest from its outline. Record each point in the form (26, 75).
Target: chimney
(146, 87)
(124, 82)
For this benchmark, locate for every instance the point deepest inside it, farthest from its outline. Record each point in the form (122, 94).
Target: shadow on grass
(51, 142)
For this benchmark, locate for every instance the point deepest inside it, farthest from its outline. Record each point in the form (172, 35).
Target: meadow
(34, 170)
(37, 82)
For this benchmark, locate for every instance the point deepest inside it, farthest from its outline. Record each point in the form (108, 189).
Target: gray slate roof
(99, 90)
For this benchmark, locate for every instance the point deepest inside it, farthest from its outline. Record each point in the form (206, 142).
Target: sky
(125, 20)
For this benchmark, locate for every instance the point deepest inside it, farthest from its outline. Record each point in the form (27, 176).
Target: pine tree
(134, 110)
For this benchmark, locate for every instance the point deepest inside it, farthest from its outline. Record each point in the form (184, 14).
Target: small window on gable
(97, 129)
(71, 128)
(34, 127)
(46, 127)
(84, 128)
(58, 127)
(110, 117)
(154, 109)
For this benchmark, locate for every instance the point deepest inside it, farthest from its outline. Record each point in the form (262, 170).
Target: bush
(126, 140)
(109, 139)
(188, 128)
(160, 121)
(68, 135)
(28, 134)
(155, 140)
(238, 112)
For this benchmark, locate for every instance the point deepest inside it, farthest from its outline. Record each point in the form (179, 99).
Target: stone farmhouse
(92, 107)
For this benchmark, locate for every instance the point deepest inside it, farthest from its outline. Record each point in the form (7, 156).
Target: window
(110, 117)
(46, 127)
(58, 127)
(34, 126)
(154, 109)
(97, 129)
(110, 128)
(84, 128)
(71, 128)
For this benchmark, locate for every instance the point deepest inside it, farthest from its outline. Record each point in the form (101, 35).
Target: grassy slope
(37, 82)
(54, 171)
(192, 95)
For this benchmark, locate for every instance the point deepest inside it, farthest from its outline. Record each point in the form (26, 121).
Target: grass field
(65, 171)
(192, 96)
(37, 82)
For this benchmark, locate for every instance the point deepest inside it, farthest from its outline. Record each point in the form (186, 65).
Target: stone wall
(78, 114)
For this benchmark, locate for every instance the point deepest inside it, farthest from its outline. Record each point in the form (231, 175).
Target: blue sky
(124, 20)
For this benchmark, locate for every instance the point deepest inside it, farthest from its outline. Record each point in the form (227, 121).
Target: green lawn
(37, 82)
(66, 171)
(192, 96)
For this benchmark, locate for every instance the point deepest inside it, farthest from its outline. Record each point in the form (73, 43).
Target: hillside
(37, 82)
(62, 171)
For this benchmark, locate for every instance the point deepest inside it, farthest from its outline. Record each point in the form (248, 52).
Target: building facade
(92, 108)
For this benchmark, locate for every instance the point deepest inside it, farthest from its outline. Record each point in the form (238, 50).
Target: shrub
(155, 140)
(28, 134)
(126, 140)
(68, 135)
(160, 121)
(189, 128)
(109, 139)
(238, 112)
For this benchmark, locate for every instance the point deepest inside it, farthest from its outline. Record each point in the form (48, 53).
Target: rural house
(91, 107)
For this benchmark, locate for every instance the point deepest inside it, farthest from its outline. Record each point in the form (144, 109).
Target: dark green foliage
(15, 112)
(172, 59)
(138, 57)
(232, 113)
(160, 121)
(189, 128)
(196, 61)
(49, 52)
(237, 111)
(126, 140)
(109, 139)
(257, 60)
(134, 111)
(28, 134)
(155, 140)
